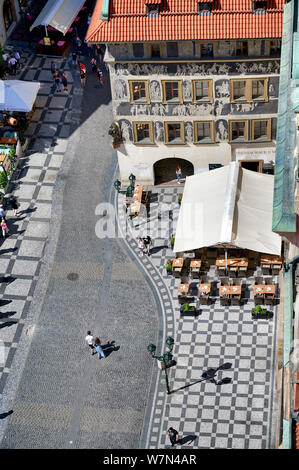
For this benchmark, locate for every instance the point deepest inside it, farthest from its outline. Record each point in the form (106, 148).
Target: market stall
(17, 100)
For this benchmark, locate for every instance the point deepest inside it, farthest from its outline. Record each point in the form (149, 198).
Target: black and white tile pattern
(237, 414)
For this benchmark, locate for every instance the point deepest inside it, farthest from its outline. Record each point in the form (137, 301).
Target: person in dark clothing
(74, 59)
(14, 204)
(173, 436)
(100, 76)
(147, 242)
(53, 68)
(64, 81)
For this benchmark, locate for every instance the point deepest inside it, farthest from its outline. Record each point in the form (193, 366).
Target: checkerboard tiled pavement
(238, 414)
(33, 183)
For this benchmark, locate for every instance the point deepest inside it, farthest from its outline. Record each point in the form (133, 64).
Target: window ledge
(175, 143)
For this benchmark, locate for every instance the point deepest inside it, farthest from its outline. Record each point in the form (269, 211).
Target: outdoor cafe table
(178, 263)
(195, 263)
(232, 261)
(261, 289)
(230, 290)
(183, 288)
(270, 259)
(204, 288)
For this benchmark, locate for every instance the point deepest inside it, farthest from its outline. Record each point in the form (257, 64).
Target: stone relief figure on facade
(180, 110)
(221, 130)
(126, 130)
(139, 109)
(159, 109)
(187, 91)
(222, 89)
(120, 90)
(189, 131)
(159, 131)
(155, 91)
(220, 106)
(244, 107)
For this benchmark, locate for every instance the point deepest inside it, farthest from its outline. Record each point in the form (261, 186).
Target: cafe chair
(242, 270)
(269, 300)
(224, 281)
(233, 271)
(276, 269)
(258, 280)
(221, 270)
(204, 299)
(268, 281)
(266, 269)
(237, 282)
(182, 299)
(194, 273)
(258, 299)
(177, 272)
(224, 300)
(235, 300)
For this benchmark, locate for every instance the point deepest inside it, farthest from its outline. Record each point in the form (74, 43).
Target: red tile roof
(178, 20)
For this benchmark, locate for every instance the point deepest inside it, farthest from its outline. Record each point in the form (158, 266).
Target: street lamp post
(117, 185)
(132, 178)
(165, 358)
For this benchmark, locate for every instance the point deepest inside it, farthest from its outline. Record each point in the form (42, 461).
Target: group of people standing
(144, 245)
(12, 61)
(59, 79)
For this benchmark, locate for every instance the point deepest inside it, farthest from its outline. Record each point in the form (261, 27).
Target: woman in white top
(89, 339)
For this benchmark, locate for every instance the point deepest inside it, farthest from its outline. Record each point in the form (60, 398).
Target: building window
(172, 49)
(275, 47)
(260, 7)
(261, 129)
(8, 14)
(153, 10)
(172, 91)
(241, 48)
(202, 91)
(206, 49)
(138, 49)
(174, 132)
(203, 131)
(238, 90)
(204, 8)
(252, 89)
(143, 132)
(258, 89)
(154, 50)
(139, 92)
(238, 131)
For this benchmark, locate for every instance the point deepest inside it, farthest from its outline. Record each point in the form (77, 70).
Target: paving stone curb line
(131, 248)
(47, 256)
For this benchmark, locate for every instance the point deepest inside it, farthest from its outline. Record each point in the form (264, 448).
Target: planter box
(188, 312)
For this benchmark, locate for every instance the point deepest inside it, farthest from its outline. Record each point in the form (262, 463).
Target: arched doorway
(164, 170)
(9, 14)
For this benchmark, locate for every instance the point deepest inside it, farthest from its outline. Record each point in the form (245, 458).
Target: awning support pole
(46, 30)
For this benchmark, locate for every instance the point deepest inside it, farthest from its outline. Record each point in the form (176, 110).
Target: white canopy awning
(229, 205)
(59, 14)
(17, 95)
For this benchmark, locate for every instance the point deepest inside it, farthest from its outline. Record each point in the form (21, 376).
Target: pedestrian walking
(14, 204)
(173, 436)
(5, 57)
(4, 228)
(78, 44)
(18, 58)
(94, 67)
(57, 81)
(98, 347)
(83, 77)
(13, 65)
(100, 76)
(99, 52)
(64, 81)
(178, 174)
(147, 242)
(140, 245)
(89, 339)
(2, 213)
(53, 68)
(74, 60)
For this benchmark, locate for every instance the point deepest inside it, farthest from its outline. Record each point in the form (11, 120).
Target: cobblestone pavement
(33, 183)
(239, 414)
(68, 280)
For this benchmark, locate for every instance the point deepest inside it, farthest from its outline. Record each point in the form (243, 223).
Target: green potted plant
(172, 238)
(186, 308)
(180, 198)
(168, 266)
(3, 180)
(258, 311)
